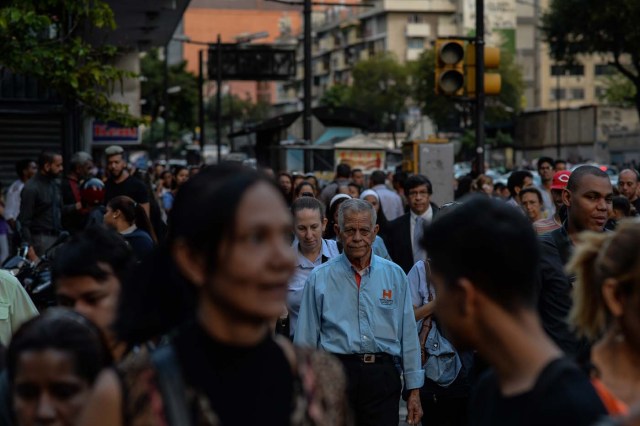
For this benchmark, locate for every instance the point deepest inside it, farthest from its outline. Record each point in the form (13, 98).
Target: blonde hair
(479, 182)
(599, 256)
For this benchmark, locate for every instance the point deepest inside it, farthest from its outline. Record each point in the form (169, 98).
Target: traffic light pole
(306, 115)
(479, 46)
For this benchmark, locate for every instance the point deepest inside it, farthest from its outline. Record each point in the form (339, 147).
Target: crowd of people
(222, 295)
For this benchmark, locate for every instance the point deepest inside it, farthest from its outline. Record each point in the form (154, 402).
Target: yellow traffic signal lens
(451, 81)
(451, 53)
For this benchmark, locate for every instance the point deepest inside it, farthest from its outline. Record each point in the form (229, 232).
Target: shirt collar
(129, 230)
(324, 252)
(349, 267)
(426, 215)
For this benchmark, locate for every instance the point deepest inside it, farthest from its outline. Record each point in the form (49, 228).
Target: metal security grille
(25, 136)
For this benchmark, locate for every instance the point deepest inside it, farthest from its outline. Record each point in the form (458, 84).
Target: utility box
(436, 162)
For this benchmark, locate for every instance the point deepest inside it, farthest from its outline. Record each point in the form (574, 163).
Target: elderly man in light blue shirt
(358, 307)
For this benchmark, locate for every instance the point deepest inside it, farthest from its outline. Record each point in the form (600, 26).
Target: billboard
(114, 134)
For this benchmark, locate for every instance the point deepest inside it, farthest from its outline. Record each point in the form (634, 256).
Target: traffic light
(492, 81)
(449, 67)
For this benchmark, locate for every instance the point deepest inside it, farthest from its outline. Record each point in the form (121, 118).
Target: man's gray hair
(80, 158)
(113, 150)
(355, 205)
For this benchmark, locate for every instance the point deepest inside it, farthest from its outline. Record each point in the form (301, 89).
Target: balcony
(418, 30)
(439, 6)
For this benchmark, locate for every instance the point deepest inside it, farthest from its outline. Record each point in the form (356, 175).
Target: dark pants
(374, 392)
(443, 411)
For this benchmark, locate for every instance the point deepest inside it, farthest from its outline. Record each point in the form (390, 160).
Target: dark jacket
(398, 240)
(41, 207)
(554, 291)
(140, 242)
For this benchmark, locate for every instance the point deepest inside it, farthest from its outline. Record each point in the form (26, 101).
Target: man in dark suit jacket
(404, 232)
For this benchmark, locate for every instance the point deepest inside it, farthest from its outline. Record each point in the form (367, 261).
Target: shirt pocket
(386, 323)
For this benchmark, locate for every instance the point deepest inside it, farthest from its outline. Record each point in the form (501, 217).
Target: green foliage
(336, 96)
(619, 91)
(574, 27)
(183, 105)
(381, 87)
(442, 110)
(46, 39)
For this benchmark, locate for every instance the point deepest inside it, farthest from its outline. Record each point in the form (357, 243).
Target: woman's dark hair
(381, 221)
(64, 330)
(133, 213)
(307, 203)
(329, 232)
(532, 190)
(622, 203)
(85, 251)
(301, 185)
(176, 170)
(202, 217)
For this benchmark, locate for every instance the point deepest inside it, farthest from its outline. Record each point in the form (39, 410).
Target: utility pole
(219, 98)
(201, 122)
(479, 46)
(165, 101)
(308, 74)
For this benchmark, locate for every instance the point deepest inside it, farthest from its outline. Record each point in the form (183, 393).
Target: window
(604, 69)
(415, 19)
(415, 43)
(560, 70)
(577, 93)
(558, 94)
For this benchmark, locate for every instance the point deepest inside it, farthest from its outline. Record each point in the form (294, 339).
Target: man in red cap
(559, 183)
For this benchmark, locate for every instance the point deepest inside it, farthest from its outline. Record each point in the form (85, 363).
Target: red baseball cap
(560, 179)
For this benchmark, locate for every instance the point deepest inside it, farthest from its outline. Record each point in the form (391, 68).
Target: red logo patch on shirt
(387, 294)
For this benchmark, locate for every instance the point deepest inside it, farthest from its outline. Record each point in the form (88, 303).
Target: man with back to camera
(403, 234)
(628, 186)
(120, 181)
(588, 198)
(390, 201)
(358, 306)
(343, 174)
(484, 257)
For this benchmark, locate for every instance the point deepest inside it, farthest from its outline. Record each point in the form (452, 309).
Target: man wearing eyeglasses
(404, 233)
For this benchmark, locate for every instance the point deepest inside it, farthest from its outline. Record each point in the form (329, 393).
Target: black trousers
(443, 411)
(374, 392)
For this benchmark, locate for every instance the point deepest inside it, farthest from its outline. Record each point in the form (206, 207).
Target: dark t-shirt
(245, 386)
(562, 396)
(131, 187)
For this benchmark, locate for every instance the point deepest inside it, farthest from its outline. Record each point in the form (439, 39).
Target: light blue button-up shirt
(303, 269)
(338, 317)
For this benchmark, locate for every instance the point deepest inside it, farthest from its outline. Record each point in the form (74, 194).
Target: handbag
(427, 323)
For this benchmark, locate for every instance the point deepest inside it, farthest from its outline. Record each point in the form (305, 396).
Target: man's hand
(414, 407)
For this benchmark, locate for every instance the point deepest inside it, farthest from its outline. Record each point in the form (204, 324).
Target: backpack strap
(171, 384)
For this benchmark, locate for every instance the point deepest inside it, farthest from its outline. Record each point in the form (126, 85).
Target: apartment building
(344, 35)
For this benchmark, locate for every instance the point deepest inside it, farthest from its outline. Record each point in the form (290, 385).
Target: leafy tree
(445, 111)
(183, 105)
(338, 95)
(576, 27)
(47, 39)
(619, 91)
(381, 86)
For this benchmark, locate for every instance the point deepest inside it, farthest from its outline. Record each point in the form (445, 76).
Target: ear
(376, 229)
(468, 298)
(612, 298)
(517, 189)
(566, 197)
(191, 265)
(324, 224)
(336, 228)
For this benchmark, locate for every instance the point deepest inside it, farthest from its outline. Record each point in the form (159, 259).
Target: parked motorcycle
(36, 277)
